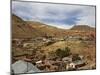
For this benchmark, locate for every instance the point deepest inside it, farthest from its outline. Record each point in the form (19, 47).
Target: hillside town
(30, 51)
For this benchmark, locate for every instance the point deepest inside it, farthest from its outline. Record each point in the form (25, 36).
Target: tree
(63, 52)
(67, 51)
(59, 53)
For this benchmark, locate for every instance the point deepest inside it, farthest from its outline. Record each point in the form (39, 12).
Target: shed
(24, 67)
(67, 59)
(79, 63)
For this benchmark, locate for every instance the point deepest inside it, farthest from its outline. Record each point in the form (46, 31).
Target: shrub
(63, 52)
(80, 39)
(67, 51)
(59, 53)
(75, 57)
(52, 55)
(49, 43)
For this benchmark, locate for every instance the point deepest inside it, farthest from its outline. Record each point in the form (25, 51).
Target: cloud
(59, 15)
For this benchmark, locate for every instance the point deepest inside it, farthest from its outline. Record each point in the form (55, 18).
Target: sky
(59, 15)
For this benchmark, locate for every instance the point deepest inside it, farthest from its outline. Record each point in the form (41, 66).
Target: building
(23, 67)
(67, 59)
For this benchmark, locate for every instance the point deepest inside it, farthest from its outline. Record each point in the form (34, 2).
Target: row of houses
(42, 40)
(64, 64)
(60, 65)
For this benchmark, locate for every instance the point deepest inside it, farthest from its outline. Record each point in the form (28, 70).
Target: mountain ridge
(32, 29)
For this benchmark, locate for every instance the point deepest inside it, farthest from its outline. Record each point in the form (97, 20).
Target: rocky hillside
(82, 28)
(31, 29)
(20, 29)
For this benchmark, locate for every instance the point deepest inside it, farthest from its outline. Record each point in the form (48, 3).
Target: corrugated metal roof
(24, 67)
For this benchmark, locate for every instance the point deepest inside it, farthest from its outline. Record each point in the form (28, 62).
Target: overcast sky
(59, 15)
